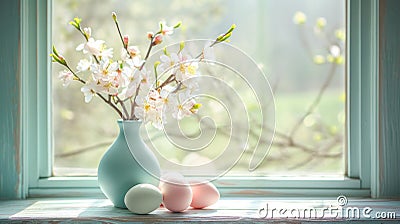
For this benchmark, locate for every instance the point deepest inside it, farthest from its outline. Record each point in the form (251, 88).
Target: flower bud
(114, 16)
(339, 60)
(319, 59)
(76, 23)
(335, 51)
(126, 40)
(321, 23)
(299, 18)
(62, 59)
(133, 51)
(340, 34)
(87, 31)
(157, 39)
(150, 35)
(195, 108)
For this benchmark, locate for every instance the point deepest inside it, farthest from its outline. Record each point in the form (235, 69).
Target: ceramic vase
(126, 163)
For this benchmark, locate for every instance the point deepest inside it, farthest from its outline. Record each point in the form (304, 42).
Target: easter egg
(177, 194)
(143, 198)
(204, 195)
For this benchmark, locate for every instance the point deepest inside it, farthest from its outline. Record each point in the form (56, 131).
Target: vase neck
(129, 127)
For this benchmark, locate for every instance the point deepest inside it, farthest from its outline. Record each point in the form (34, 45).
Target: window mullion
(363, 88)
(354, 88)
(44, 87)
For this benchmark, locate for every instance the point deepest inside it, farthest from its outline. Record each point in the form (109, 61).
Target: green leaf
(156, 64)
(74, 24)
(233, 26)
(56, 59)
(55, 51)
(77, 20)
(165, 51)
(225, 37)
(161, 27)
(178, 24)
(181, 46)
(197, 106)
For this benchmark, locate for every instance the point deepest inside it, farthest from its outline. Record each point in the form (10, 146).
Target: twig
(123, 107)
(120, 35)
(82, 150)
(109, 102)
(170, 79)
(149, 49)
(302, 163)
(290, 142)
(314, 104)
(134, 104)
(305, 43)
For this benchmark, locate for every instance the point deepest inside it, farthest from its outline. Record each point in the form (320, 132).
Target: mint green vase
(126, 163)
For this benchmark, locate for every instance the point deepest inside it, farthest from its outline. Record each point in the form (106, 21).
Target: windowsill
(227, 209)
(279, 186)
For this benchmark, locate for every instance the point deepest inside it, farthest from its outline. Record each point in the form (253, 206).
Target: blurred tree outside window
(299, 44)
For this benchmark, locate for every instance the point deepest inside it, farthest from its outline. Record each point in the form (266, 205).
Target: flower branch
(71, 75)
(126, 81)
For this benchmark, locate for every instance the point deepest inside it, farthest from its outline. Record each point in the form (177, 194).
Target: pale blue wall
(389, 98)
(10, 153)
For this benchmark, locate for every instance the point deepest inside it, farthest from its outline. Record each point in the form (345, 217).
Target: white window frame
(362, 114)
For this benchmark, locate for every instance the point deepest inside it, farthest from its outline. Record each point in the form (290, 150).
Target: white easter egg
(177, 193)
(143, 198)
(204, 195)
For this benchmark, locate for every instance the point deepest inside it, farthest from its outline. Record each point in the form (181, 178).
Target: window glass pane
(304, 64)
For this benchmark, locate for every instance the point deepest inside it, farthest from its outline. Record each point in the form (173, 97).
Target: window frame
(361, 107)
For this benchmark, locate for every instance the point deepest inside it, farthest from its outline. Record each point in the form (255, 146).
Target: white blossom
(184, 105)
(66, 77)
(87, 31)
(334, 51)
(182, 65)
(132, 79)
(166, 30)
(106, 53)
(91, 46)
(150, 109)
(84, 65)
(127, 78)
(135, 62)
(104, 71)
(133, 51)
(89, 90)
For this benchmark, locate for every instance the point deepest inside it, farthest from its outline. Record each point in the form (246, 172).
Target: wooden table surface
(227, 209)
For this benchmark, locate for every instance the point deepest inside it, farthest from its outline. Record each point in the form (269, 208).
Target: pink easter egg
(204, 195)
(177, 194)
